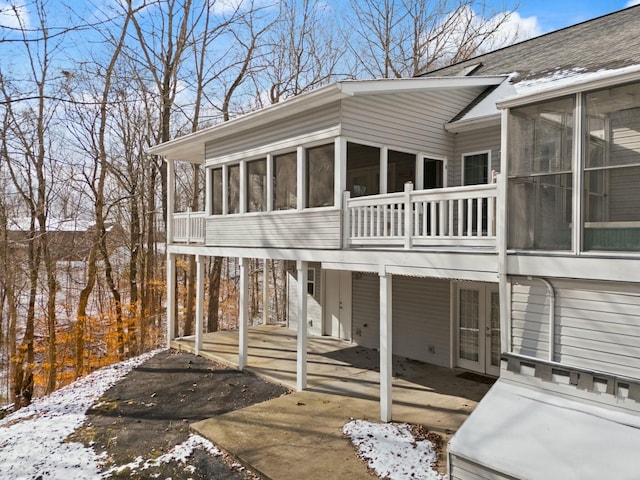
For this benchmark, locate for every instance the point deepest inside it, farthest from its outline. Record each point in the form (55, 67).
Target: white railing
(445, 216)
(188, 227)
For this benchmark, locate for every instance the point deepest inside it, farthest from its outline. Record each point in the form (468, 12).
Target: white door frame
(337, 304)
(483, 364)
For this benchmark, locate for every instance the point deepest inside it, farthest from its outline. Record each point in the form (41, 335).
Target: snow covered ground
(32, 440)
(392, 451)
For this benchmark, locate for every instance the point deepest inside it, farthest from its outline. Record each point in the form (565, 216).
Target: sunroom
(353, 165)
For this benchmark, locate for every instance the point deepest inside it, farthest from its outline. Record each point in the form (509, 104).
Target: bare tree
(303, 51)
(403, 38)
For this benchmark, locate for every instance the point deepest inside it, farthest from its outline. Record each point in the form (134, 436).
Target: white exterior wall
(597, 324)
(530, 319)
(291, 127)
(314, 303)
(469, 142)
(413, 121)
(308, 229)
(463, 469)
(421, 316)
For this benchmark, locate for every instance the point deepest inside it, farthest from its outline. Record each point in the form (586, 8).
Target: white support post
(171, 297)
(340, 169)
(171, 185)
(208, 191)
(243, 319)
(301, 371)
(243, 187)
(384, 168)
(301, 176)
(265, 291)
(270, 183)
(199, 302)
(386, 341)
(501, 238)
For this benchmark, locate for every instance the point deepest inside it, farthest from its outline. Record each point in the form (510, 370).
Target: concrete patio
(300, 435)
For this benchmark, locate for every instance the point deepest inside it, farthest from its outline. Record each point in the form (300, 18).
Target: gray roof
(608, 42)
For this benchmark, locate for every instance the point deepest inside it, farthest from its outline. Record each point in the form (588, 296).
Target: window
(216, 191)
(540, 176)
(233, 186)
(311, 281)
(476, 169)
(285, 181)
(320, 175)
(401, 168)
(433, 175)
(611, 184)
(363, 169)
(257, 185)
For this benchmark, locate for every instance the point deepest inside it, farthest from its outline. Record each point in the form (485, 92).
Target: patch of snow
(564, 78)
(392, 451)
(180, 453)
(32, 440)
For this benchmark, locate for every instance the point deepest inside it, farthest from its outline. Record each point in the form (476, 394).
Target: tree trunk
(215, 272)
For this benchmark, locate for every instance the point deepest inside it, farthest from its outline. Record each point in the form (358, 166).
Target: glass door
(478, 328)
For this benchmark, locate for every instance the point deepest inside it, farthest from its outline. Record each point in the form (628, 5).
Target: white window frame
(470, 154)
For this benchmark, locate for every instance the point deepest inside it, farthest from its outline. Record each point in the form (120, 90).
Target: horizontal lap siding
(295, 230)
(469, 142)
(408, 120)
(623, 194)
(530, 320)
(421, 316)
(314, 303)
(463, 469)
(290, 127)
(365, 309)
(597, 325)
(599, 328)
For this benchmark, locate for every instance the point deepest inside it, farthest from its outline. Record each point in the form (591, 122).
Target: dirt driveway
(149, 412)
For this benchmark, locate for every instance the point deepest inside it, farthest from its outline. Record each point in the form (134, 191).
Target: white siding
(421, 319)
(365, 309)
(597, 325)
(623, 194)
(463, 469)
(421, 316)
(314, 305)
(475, 141)
(530, 319)
(408, 120)
(307, 229)
(289, 127)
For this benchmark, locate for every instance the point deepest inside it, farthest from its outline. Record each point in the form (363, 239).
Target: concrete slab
(300, 435)
(293, 437)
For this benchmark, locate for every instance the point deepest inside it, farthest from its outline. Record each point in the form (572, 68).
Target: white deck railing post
(188, 225)
(346, 219)
(408, 215)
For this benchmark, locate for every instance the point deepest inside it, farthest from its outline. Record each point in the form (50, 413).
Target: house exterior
(484, 217)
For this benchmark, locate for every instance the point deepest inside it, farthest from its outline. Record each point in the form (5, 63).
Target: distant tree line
(86, 90)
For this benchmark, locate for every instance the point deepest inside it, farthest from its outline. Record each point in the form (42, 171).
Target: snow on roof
(555, 83)
(528, 433)
(574, 79)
